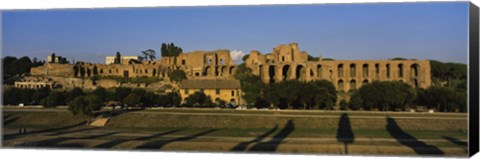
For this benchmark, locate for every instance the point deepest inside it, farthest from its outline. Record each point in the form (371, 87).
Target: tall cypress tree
(118, 59)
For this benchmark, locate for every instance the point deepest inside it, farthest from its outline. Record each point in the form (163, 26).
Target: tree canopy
(385, 95)
(16, 67)
(311, 58)
(177, 75)
(168, 50)
(118, 58)
(149, 54)
(199, 99)
(85, 106)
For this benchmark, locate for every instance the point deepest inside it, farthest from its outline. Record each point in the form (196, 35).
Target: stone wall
(202, 64)
(286, 63)
(53, 69)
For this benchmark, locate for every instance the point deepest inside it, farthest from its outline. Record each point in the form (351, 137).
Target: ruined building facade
(287, 62)
(196, 65)
(203, 64)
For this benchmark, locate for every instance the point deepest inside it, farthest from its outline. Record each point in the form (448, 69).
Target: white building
(111, 59)
(57, 59)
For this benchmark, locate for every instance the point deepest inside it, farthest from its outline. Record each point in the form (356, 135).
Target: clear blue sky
(342, 31)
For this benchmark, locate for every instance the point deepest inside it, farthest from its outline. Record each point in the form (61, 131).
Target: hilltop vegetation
(15, 67)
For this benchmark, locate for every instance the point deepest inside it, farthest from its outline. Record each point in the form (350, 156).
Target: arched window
(388, 70)
(300, 71)
(353, 70)
(353, 85)
(207, 71)
(340, 85)
(319, 71)
(285, 71)
(340, 70)
(365, 82)
(365, 70)
(414, 70)
(400, 70)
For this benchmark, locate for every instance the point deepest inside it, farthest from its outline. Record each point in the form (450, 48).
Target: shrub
(177, 75)
(343, 104)
(132, 100)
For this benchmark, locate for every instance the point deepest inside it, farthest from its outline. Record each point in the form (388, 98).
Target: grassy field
(247, 130)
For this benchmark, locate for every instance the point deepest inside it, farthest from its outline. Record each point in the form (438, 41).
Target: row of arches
(414, 69)
(285, 72)
(82, 71)
(218, 70)
(353, 84)
(274, 73)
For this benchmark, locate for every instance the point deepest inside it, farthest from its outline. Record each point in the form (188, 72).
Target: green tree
(251, 84)
(40, 94)
(343, 104)
(8, 70)
(15, 67)
(133, 100)
(173, 99)
(198, 99)
(24, 65)
(150, 99)
(311, 58)
(170, 50)
(11, 96)
(53, 58)
(244, 58)
(177, 75)
(118, 58)
(387, 95)
(85, 106)
(261, 103)
(448, 72)
(150, 53)
(55, 98)
(76, 70)
(163, 50)
(399, 59)
(443, 99)
(74, 93)
(328, 59)
(122, 93)
(139, 91)
(101, 93)
(331, 91)
(36, 63)
(355, 102)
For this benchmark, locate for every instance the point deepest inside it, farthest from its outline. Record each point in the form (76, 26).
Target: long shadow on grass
(54, 142)
(455, 141)
(113, 143)
(71, 131)
(458, 142)
(408, 140)
(14, 136)
(7, 120)
(344, 131)
(273, 144)
(159, 144)
(243, 145)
